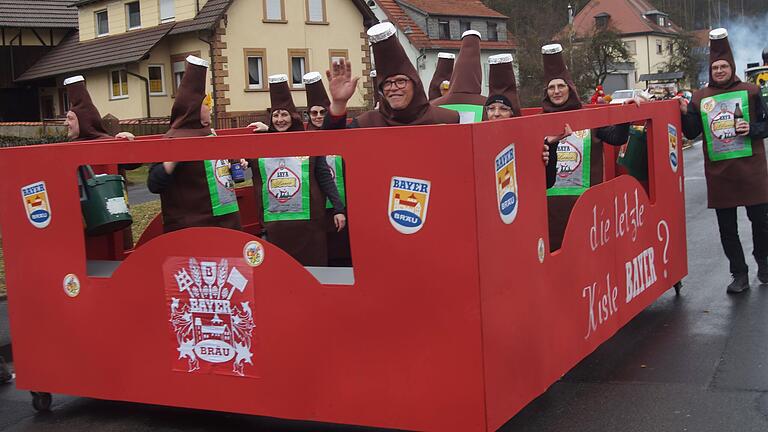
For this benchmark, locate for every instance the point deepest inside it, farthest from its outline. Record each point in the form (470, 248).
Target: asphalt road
(697, 362)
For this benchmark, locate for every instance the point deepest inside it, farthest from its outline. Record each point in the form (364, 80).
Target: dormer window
(102, 23)
(444, 29)
(601, 20)
(662, 21)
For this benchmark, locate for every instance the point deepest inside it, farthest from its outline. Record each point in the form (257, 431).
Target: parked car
(619, 96)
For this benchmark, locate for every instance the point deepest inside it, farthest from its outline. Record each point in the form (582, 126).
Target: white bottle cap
(74, 79)
(198, 61)
(312, 77)
(551, 49)
(718, 33)
(500, 58)
(381, 31)
(279, 78)
(373, 73)
(446, 55)
(471, 33)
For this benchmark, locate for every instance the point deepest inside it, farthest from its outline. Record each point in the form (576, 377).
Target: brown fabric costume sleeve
(158, 179)
(615, 135)
(327, 185)
(691, 122)
(551, 171)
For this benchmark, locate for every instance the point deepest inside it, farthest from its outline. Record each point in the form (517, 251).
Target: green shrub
(14, 141)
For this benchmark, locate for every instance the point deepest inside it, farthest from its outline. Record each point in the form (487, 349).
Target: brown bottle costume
(560, 207)
(304, 240)
(88, 116)
(734, 182)
(185, 196)
(502, 81)
(339, 253)
(467, 77)
(392, 60)
(443, 72)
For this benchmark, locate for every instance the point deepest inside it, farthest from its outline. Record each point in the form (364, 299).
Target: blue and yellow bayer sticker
(36, 204)
(674, 146)
(506, 184)
(408, 203)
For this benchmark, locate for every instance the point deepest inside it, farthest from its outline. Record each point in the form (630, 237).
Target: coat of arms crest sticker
(210, 306)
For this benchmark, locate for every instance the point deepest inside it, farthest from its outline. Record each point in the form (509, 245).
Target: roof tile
(474, 8)
(627, 16)
(75, 56)
(38, 14)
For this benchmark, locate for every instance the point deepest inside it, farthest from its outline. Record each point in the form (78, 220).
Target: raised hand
(341, 86)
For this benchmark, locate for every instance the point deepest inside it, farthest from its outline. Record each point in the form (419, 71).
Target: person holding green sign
(291, 191)
(730, 114)
(579, 153)
(466, 82)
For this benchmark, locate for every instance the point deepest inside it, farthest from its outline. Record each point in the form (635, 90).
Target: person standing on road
(730, 114)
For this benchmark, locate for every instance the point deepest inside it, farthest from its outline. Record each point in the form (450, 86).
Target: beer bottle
(737, 115)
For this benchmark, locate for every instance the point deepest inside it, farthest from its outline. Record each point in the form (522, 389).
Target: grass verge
(142, 215)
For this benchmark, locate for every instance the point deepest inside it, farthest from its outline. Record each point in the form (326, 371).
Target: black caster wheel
(678, 286)
(41, 401)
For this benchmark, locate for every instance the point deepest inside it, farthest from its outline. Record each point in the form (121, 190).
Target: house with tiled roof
(647, 33)
(29, 30)
(132, 52)
(427, 27)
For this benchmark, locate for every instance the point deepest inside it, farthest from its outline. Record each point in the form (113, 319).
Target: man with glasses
(404, 101)
(731, 117)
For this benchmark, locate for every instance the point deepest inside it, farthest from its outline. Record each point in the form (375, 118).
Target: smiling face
(281, 120)
(721, 71)
(397, 97)
(317, 115)
(558, 92)
(73, 125)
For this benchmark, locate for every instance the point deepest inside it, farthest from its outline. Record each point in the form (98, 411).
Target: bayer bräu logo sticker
(506, 184)
(674, 145)
(36, 204)
(408, 202)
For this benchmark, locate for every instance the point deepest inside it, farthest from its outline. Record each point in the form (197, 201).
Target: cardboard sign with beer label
(673, 146)
(36, 204)
(573, 164)
(507, 197)
(221, 187)
(718, 116)
(210, 303)
(285, 190)
(468, 113)
(408, 203)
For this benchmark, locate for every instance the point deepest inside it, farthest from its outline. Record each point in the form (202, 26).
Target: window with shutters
(167, 11)
(118, 88)
(298, 66)
(274, 11)
(255, 70)
(316, 13)
(156, 80)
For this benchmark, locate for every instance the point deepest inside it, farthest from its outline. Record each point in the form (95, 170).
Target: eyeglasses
(398, 83)
(315, 113)
(721, 68)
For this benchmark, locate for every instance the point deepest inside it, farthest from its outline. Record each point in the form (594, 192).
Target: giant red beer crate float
(454, 317)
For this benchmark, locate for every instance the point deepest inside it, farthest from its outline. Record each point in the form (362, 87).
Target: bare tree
(686, 57)
(597, 55)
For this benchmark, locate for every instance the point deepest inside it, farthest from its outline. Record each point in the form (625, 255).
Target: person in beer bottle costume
(466, 82)
(291, 191)
(194, 193)
(579, 153)
(403, 102)
(339, 254)
(443, 72)
(503, 103)
(730, 114)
